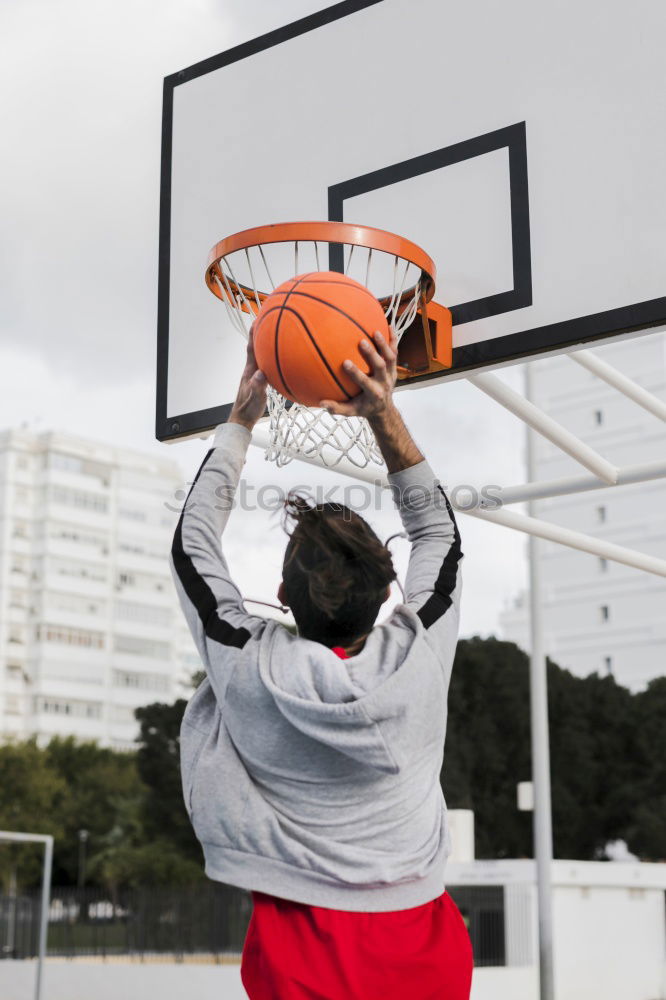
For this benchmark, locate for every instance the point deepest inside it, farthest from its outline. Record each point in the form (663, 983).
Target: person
(311, 762)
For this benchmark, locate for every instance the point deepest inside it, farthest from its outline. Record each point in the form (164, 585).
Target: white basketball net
(297, 430)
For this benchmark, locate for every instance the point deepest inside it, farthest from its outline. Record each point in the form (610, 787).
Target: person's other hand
(250, 402)
(376, 389)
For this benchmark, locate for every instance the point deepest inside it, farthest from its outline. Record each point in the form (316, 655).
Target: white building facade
(90, 628)
(600, 616)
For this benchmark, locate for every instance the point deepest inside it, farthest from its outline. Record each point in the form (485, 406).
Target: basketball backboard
(521, 145)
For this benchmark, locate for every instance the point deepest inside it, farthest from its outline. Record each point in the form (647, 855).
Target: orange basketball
(308, 327)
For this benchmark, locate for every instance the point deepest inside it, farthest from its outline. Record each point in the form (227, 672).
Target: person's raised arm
(433, 584)
(212, 604)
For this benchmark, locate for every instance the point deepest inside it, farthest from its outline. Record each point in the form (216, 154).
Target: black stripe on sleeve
(439, 602)
(198, 591)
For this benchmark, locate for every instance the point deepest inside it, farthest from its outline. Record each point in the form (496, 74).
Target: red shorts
(298, 952)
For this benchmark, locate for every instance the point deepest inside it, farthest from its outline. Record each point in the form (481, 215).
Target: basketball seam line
(324, 302)
(316, 347)
(286, 308)
(283, 306)
(357, 286)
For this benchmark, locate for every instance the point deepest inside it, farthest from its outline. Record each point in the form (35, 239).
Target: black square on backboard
(513, 139)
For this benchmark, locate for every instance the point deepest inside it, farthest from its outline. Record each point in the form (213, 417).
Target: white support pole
(542, 815)
(642, 473)
(519, 522)
(632, 390)
(545, 425)
(573, 539)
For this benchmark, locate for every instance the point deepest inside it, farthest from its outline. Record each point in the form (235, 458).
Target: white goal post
(10, 836)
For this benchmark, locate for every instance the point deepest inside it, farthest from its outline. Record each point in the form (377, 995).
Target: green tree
(488, 744)
(158, 763)
(593, 761)
(103, 791)
(645, 826)
(32, 798)
(608, 767)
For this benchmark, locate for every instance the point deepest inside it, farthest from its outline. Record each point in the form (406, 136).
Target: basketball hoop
(245, 268)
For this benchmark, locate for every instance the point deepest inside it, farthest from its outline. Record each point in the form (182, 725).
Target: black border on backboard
(579, 330)
(169, 428)
(511, 138)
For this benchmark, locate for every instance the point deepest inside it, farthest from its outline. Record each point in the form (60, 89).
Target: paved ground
(115, 980)
(81, 980)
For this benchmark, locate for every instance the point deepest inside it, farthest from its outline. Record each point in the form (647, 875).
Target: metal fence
(206, 920)
(210, 919)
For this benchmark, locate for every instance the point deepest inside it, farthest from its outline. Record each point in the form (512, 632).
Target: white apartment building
(600, 616)
(90, 626)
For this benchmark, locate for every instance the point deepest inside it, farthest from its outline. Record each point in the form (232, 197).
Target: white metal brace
(604, 474)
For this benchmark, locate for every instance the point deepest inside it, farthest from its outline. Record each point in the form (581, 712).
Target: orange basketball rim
(243, 269)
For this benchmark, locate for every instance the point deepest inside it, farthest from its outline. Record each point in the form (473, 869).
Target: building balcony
(83, 585)
(65, 548)
(20, 544)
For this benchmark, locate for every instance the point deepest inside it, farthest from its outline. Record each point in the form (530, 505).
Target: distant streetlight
(83, 840)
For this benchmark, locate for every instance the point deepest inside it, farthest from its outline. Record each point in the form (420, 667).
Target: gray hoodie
(306, 776)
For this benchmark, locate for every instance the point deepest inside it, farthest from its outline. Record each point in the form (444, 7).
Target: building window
(133, 515)
(68, 463)
(603, 564)
(74, 603)
(598, 417)
(140, 681)
(604, 612)
(601, 514)
(142, 581)
(82, 709)
(87, 571)
(141, 647)
(148, 613)
(79, 499)
(70, 636)
(123, 714)
(71, 534)
(608, 664)
(136, 550)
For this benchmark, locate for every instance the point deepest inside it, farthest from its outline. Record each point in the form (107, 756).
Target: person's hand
(250, 401)
(376, 388)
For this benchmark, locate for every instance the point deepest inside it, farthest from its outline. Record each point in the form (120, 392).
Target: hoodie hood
(344, 703)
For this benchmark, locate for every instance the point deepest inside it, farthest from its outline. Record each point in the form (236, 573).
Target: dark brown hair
(335, 571)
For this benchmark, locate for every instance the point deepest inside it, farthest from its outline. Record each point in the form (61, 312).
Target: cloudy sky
(81, 92)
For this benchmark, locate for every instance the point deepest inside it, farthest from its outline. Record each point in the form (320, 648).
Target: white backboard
(521, 145)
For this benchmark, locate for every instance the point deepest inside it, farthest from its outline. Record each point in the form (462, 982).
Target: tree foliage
(158, 762)
(608, 766)
(103, 791)
(33, 799)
